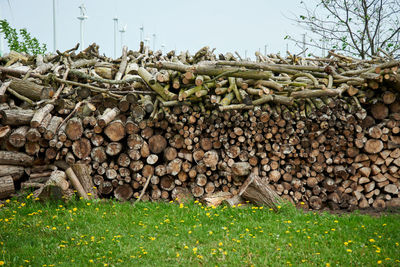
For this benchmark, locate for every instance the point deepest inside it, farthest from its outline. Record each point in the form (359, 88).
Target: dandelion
(2, 263)
(349, 250)
(327, 264)
(220, 244)
(88, 203)
(210, 232)
(91, 261)
(371, 240)
(177, 255)
(379, 262)
(195, 250)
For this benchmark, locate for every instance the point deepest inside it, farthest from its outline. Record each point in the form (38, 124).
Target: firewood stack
(318, 131)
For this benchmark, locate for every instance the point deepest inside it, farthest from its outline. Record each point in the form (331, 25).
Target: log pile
(317, 131)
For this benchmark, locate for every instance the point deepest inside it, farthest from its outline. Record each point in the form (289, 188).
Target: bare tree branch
(360, 28)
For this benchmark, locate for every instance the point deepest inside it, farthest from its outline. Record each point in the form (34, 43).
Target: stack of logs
(321, 131)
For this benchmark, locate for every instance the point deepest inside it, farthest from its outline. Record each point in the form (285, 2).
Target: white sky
(228, 25)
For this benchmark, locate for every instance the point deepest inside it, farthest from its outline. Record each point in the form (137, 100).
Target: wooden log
(115, 130)
(55, 188)
(379, 111)
(44, 123)
(108, 116)
(18, 137)
(113, 148)
(40, 114)
(259, 192)
(315, 202)
(216, 199)
(81, 148)
(123, 192)
(52, 127)
(6, 186)
(4, 131)
(373, 146)
(74, 129)
(211, 158)
(83, 172)
(72, 177)
(241, 168)
(16, 172)
(157, 144)
(29, 89)
(16, 117)
(33, 135)
(15, 158)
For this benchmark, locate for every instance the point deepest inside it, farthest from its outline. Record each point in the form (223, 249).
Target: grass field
(163, 234)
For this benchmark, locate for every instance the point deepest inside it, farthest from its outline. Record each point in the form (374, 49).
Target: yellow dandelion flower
(371, 240)
(349, 250)
(2, 263)
(220, 244)
(88, 203)
(194, 250)
(379, 262)
(327, 264)
(177, 255)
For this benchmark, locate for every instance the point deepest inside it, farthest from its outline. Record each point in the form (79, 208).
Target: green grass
(106, 233)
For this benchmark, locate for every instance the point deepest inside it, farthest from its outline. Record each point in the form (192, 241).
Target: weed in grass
(98, 233)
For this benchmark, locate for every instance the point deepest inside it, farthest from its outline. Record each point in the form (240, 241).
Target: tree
(362, 28)
(22, 43)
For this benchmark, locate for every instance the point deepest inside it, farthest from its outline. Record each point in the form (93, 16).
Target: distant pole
(82, 18)
(1, 43)
(115, 35)
(147, 41)
(287, 48)
(265, 50)
(141, 28)
(245, 54)
(304, 44)
(162, 47)
(54, 27)
(122, 31)
(154, 42)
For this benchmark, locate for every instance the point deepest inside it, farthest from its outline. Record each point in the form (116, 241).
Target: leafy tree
(362, 28)
(22, 42)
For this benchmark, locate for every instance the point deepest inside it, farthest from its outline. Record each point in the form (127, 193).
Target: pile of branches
(314, 131)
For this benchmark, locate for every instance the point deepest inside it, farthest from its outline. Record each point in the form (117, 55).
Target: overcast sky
(228, 25)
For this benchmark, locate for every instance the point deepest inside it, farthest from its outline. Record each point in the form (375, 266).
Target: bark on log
(15, 158)
(259, 192)
(6, 186)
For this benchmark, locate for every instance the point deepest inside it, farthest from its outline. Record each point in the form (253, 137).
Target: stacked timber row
(318, 131)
